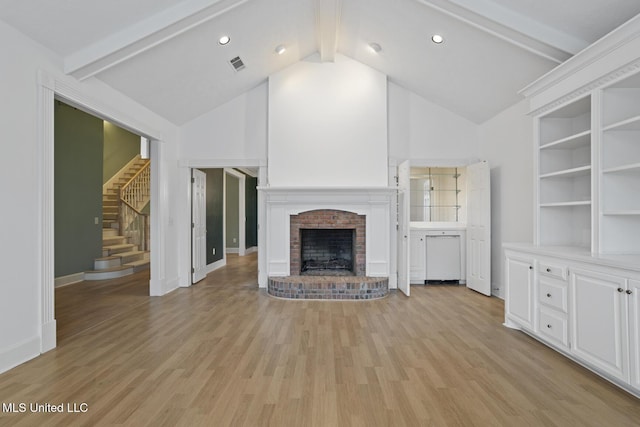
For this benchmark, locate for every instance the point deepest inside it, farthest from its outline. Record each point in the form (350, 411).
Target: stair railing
(134, 195)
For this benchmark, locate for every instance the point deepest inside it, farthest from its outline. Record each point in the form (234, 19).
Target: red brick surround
(328, 218)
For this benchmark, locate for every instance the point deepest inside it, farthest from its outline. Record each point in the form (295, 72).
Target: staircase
(123, 251)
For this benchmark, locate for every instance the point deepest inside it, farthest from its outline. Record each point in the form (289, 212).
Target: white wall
(21, 262)
(506, 142)
(236, 130)
(422, 130)
(327, 125)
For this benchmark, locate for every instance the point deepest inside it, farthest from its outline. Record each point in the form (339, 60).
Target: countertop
(624, 261)
(437, 226)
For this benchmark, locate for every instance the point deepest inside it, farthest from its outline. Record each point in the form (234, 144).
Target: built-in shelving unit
(576, 287)
(564, 175)
(620, 163)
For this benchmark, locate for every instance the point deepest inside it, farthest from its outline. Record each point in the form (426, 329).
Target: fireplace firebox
(327, 251)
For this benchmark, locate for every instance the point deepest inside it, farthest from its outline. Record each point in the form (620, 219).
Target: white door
(198, 225)
(599, 336)
(479, 228)
(403, 227)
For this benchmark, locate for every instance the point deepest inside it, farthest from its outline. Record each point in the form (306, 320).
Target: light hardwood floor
(224, 353)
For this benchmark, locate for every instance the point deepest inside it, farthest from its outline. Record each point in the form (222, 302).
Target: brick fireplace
(363, 213)
(318, 225)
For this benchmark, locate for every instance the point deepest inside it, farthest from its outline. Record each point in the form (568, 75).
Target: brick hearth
(328, 287)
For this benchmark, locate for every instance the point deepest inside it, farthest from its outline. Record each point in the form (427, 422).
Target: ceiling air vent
(237, 63)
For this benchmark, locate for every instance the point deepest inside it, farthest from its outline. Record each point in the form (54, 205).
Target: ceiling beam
(144, 35)
(327, 27)
(512, 27)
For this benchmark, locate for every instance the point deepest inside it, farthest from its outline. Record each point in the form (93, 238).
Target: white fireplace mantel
(374, 202)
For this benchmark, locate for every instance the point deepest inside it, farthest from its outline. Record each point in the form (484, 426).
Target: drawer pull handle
(549, 326)
(629, 292)
(548, 295)
(548, 270)
(620, 290)
(530, 267)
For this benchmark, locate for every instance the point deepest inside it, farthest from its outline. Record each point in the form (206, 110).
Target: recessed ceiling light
(224, 40)
(437, 38)
(375, 47)
(280, 49)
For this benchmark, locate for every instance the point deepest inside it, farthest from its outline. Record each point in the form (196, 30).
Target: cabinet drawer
(554, 327)
(553, 293)
(552, 270)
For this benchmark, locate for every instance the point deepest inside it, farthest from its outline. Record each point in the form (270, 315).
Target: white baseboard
(251, 250)
(68, 280)
(233, 250)
(18, 354)
(215, 265)
(171, 285)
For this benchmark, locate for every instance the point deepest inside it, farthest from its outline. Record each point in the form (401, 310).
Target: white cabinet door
(519, 297)
(633, 299)
(479, 228)
(417, 257)
(599, 321)
(404, 283)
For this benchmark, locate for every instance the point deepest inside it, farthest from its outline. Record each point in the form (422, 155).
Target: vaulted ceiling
(165, 53)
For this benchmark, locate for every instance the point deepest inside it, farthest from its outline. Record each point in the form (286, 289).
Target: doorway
(231, 214)
(99, 232)
(49, 90)
(234, 212)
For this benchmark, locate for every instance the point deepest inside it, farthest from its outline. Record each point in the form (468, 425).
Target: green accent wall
(215, 205)
(251, 207)
(232, 188)
(78, 151)
(120, 146)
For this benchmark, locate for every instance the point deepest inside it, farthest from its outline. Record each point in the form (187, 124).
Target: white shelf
(568, 173)
(563, 204)
(581, 139)
(632, 123)
(622, 213)
(631, 168)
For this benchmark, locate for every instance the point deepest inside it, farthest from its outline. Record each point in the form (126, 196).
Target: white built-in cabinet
(577, 287)
(583, 306)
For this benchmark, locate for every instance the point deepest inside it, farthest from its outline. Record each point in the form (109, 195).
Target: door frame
(198, 226)
(49, 89)
(242, 215)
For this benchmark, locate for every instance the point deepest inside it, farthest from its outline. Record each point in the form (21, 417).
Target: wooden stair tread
(109, 270)
(138, 263)
(127, 254)
(119, 246)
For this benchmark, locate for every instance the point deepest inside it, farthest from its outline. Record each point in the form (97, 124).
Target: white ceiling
(165, 55)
